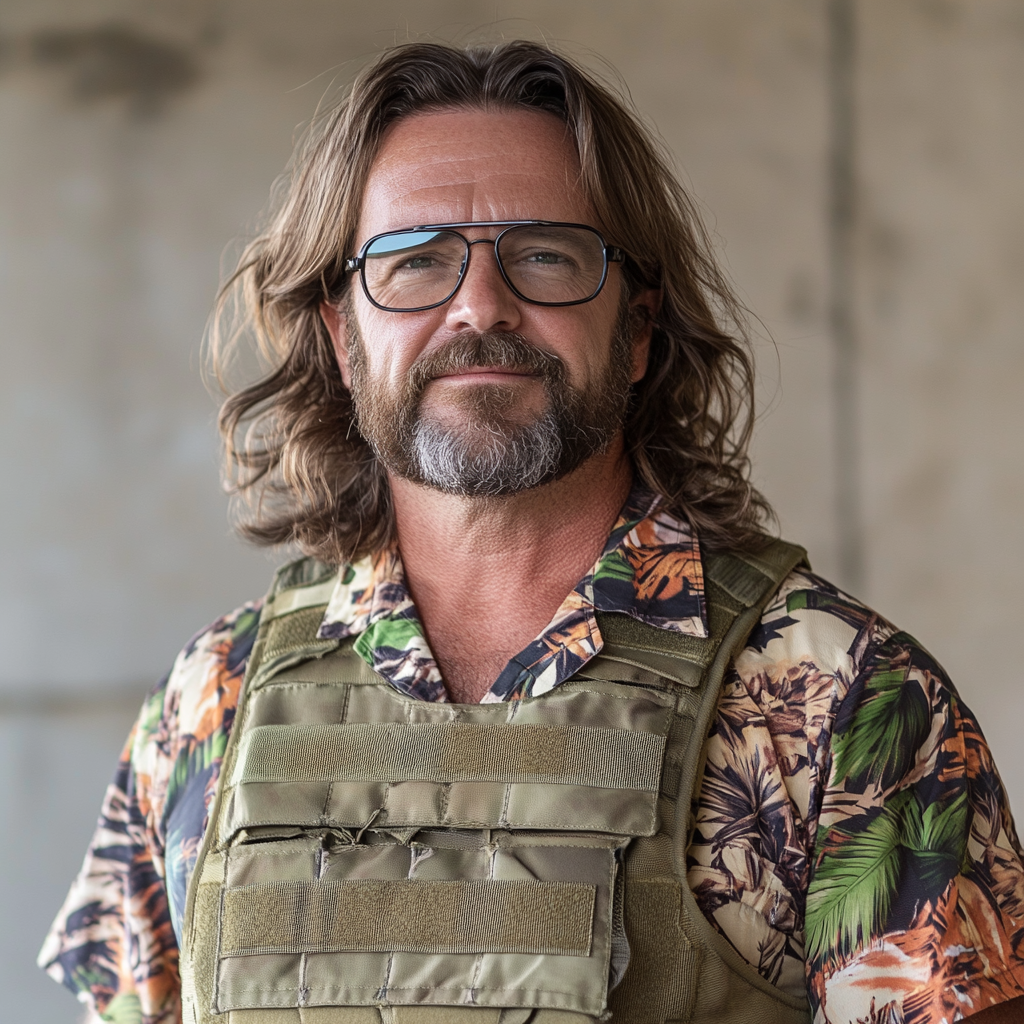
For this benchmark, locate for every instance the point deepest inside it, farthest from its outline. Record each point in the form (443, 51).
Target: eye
(419, 262)
(545, 258)
(424, 261)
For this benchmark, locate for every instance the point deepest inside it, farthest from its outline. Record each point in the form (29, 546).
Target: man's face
(487, 394)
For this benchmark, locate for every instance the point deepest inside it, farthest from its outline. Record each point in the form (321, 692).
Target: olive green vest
(374, 859)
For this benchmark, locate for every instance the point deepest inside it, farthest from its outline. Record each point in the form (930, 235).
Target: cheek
(585, 343)
(391, 341)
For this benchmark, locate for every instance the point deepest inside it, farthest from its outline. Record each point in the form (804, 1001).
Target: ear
(644, 308)
(337, 327)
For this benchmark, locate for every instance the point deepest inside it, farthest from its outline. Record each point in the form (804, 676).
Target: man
(548, 728)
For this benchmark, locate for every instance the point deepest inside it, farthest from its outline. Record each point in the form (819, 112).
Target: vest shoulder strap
(290, 619)
(737, 586)
(298, 585)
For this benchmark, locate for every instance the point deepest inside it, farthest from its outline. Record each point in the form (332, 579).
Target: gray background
(866, 198)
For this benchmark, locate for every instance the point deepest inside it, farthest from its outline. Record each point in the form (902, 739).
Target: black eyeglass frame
(610, 254)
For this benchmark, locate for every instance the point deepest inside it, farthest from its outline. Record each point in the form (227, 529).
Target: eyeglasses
(544, 262)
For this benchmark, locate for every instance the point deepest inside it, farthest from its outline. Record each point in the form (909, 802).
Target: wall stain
(115, 61)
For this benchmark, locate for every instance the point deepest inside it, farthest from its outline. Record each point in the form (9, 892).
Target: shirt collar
(650, 569)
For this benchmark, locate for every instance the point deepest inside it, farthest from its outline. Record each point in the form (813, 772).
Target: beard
(476, 443)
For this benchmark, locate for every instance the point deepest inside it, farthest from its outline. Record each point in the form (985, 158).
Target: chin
(482, 414)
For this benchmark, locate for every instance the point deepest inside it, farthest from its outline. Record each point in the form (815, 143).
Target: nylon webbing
(453, 752)
(374, 915)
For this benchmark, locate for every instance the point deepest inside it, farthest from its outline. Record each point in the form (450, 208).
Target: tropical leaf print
(124, 1009)
(885, 721)
(114, 941)
(855, 887)
(826, 598)
(614, 567)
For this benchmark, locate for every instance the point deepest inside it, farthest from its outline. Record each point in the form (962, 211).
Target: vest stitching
(503, 816)
(479, 965)
(303, 990)
(327, 803)
(382, 992)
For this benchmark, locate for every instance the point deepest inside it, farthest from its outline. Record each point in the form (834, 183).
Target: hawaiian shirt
(854, 842)
(372, 602)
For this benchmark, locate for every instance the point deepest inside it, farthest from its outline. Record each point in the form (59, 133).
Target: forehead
(465, 165)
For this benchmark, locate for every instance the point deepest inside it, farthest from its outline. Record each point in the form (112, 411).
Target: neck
(487, 574)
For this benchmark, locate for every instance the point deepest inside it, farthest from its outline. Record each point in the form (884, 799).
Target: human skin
(533, 547)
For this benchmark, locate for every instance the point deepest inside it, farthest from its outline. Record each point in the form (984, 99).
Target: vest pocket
(382, 852)
(525, 775)
(447, 918)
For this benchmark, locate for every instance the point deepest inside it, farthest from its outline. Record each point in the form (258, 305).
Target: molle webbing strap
(453, 752)
(751, 578)
(734, 583)
(376, 915)
(291, 616)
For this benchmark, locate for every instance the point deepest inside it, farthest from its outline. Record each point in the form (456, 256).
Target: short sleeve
(112, 943)
(915, 904)
(115, 940)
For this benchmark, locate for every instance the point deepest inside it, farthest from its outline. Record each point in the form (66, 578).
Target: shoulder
(800, 663)
(822, 647)
(809, 621)
(881, 686)
(194, 705)
(113, 941)
(780, 700)
(185, 720)
(849, 700)
(204, 679)
(913, 866)
(825, 665)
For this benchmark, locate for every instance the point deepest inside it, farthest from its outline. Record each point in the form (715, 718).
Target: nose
(484, 301)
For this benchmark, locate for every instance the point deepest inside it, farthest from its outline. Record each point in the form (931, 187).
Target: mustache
(471, 349)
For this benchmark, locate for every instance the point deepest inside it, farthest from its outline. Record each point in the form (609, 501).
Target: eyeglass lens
(544, 263)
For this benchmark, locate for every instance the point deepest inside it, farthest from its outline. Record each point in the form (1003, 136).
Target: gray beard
(509, 460)
(491, 455)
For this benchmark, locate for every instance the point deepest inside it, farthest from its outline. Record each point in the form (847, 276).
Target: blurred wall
(864, 173)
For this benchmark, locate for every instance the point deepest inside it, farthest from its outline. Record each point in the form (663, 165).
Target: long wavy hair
(293, 448)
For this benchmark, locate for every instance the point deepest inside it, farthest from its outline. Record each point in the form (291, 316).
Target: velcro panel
(660, 983)
(741, 578)
(560, 896)
(293, 632)
(452, 752)
(365, 914)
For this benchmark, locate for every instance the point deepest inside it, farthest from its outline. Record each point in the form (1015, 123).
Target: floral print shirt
(853, 841)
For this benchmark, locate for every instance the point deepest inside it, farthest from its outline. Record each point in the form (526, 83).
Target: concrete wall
(137, 140)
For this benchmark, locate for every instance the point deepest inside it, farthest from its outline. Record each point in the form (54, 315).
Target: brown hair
(292, 445)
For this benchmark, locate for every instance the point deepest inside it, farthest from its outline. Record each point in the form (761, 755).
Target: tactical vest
(374, 859)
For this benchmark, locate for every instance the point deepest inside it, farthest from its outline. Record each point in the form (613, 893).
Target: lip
(483, 374)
